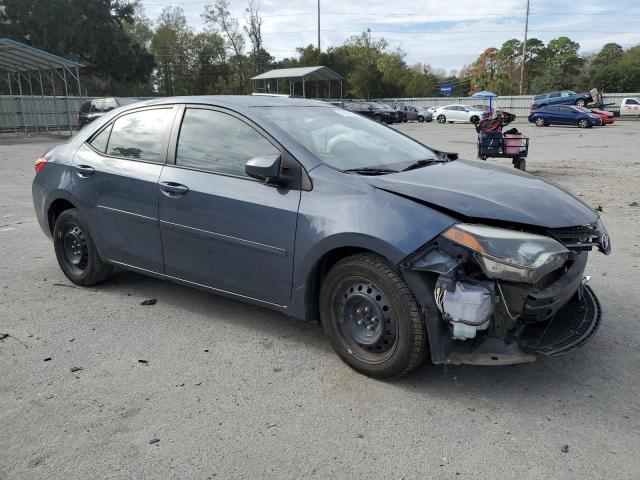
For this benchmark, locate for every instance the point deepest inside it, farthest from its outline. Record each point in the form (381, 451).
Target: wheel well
(319, 271)
(57, 207)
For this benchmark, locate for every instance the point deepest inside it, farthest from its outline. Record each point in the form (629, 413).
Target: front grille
(577, 238)
(570, 328)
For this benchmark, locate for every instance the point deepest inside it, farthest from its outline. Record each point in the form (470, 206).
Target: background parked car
(458, 113)
(630, 106)
(564, 115)
(373, 110)
(410, 112)
(92, 109)
(563, 97)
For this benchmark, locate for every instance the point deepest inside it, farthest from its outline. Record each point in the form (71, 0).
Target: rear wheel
(442, 119)
(520, 163)
(475, 119)
(540, 122)
(76, 251)
(371, 317)
(377, 118)
(583, 123)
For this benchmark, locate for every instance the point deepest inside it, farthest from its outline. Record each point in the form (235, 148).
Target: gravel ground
(228, 390)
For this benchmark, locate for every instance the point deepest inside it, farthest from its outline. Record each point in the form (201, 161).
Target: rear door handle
(85, 170)
(172, 189)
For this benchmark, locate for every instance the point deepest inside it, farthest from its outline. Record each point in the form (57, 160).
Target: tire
(581, 102)
(474, 119)
(583, 123)
(520, 163)
(540, 122)
(377, 118)
(76, 251)
(441, 119)
(366, 288)
(420, 118)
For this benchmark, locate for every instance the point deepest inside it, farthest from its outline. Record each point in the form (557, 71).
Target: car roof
(233, 101)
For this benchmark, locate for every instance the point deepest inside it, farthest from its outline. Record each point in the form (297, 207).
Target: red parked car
(606, 117)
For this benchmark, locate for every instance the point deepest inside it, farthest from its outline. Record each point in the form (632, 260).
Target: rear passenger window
(554, 95)
(97, 106)
(99, 142)
(140, 135)
(218, 142)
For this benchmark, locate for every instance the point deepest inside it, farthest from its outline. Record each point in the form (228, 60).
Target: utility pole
(319, 49)
(524, 48)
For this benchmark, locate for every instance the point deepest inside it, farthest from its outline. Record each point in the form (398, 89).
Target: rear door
(554, 98)
(220, 228)
(116, 183)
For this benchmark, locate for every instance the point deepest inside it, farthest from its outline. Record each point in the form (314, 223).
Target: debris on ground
(634, 204)
(271, 425)
(75, 369)
(142, 361)
(48, 359)
(565, 449)
(599, 208)
(151, 301)
(359, 435)
(154, 440)
(3, 336)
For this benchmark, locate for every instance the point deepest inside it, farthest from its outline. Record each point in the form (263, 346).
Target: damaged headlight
(508, 254)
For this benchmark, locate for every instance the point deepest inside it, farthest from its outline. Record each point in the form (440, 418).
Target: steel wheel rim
(73, 245)
(365, 320)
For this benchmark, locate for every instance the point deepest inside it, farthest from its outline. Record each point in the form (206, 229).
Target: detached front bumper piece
(572, 326)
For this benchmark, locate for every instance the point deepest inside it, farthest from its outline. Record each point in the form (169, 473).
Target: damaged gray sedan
(401, 251)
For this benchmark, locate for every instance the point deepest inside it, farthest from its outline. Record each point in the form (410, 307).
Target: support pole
(319, 47)
(35, 114)
(44, 108)
(24, 124)
(79, 88)
(304, 94)
(66, 98)
(13, 112)
(55, 100)
(524, 49)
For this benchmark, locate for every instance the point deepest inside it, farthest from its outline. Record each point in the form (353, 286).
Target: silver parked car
(410, 112)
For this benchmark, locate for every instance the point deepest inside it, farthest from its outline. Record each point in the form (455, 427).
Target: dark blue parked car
(564, 115)
(399, 250)
(563, 97)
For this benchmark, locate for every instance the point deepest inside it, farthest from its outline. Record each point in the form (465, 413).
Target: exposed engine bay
(507, 296)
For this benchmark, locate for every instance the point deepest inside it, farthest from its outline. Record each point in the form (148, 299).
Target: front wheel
(583, 123)
(371, 317)
(520, 163)
(540, 122)
(76, 251)
(442, 119)
(420, 118)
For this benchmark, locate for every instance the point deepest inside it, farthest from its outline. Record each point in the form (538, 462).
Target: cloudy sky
(443, 34)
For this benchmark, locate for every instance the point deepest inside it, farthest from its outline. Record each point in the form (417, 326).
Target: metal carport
(23, 67)
(300, 74)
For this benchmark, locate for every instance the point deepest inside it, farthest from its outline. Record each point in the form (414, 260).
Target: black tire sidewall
(441, 119)
(94, 271)
(401, 357)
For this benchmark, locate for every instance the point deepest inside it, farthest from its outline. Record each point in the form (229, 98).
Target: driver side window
(219, 142)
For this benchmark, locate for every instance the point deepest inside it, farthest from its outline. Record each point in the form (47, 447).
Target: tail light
(40, 163)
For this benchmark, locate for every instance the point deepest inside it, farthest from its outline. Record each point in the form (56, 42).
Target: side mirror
(263, 168)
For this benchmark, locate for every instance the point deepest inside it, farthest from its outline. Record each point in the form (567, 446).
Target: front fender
(344, 211)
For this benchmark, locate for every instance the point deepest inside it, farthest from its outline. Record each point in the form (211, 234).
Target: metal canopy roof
(307, 73)
(18, 57)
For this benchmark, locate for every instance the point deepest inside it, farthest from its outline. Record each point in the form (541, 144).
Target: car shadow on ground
(489, 382)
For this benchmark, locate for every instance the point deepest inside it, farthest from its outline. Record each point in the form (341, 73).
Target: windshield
(345, 140)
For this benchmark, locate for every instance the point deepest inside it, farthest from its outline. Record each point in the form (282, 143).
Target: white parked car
(458, 113)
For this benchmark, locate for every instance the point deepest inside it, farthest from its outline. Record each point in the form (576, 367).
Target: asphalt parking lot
(234, 391)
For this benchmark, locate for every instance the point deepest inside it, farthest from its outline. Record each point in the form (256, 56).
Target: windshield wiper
(371, 171)
(422, 163)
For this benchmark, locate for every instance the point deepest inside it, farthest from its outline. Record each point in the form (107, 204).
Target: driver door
(221, 228)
